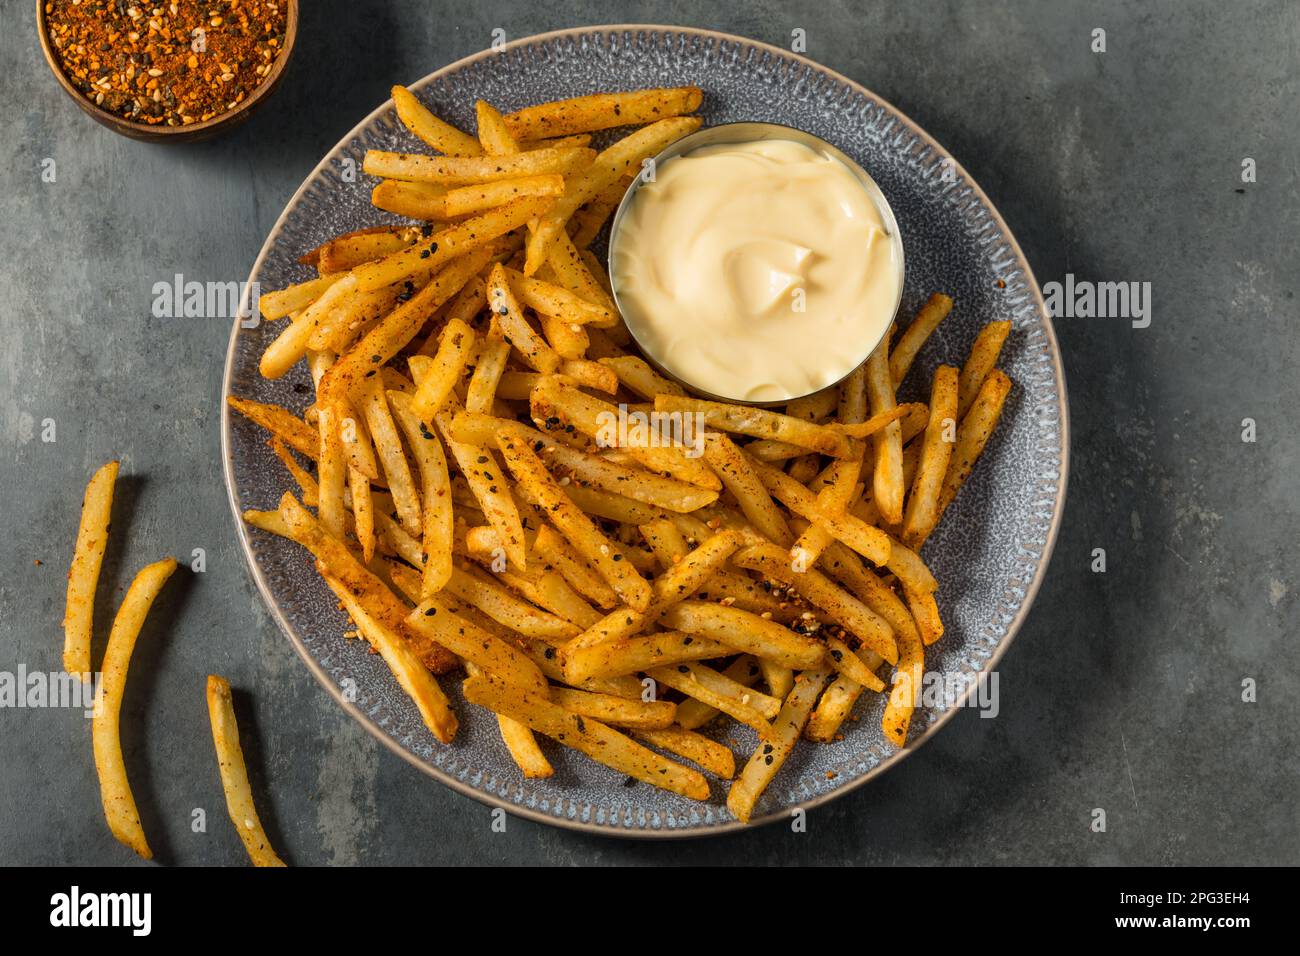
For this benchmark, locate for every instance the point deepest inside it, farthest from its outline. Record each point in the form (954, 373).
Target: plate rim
(591, 826)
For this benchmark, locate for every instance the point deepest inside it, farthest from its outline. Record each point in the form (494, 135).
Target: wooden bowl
(218, 124)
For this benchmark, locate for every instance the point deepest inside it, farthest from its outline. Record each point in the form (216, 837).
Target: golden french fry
(922, 512)
(413, 200)
(286, 301)
(509, 318)
(700, 750)
(760, 423)
(453, 171)
(733, 468)
(234, 774)
(627, 655)
(467, 200)
(454, 352)
(397, 472)
(435, 492)
(281, 423)
(438, 133)
(934, 311)
(719, 692)
(887, 479)
(557, 301)
(83, 575)
(743, 631)
(597, 741)
(586, 114)
(983, 357)
(616, 711)
(973, 434)
(114, 787)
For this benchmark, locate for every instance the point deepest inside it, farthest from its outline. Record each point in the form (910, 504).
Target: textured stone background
(1122, 692)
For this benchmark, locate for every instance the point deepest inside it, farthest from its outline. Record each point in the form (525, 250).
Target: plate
(989, 554)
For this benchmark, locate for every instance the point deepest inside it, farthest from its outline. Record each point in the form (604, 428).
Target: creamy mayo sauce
(756, 271)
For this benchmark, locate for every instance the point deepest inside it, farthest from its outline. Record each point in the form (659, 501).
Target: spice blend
(171, 63)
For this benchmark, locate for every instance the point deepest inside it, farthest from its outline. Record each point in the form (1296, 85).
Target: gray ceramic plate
(989, 555)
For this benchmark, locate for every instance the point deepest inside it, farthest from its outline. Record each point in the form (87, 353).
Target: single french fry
(872, 543)
(842, 658)
(304, 479)
(114, 787)
(973, 434)
(639, 377)
(876, 423)
(981, 361)
(733, 468)
(234, 774)
(712, 756)
(694, 713)
(468, 236)
(751, 708)
(435, 492)
(569, 339)
(502, 606)
(294, 298)
(83, 575)
(887, 479)
(363, 512)
(351, 249)
(554, 550)
(627, 655)
(904, 353)
(453, 171)
(397, 472)
(489, 365)
(281, 423)
(437, 133)
(908, 677)
(455, 349)
(596, 740)
(333, 470)
(760, 423)
(468, 200)
(509, 318)
(413, 200)
(925, 610)
(922, 512)
(586, 114)
(616, 711)
(493, 134)
(771, 754)
(291, 344)
(558, 301)
(743, 631)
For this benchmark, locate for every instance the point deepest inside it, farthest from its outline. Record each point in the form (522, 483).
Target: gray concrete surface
(1123, 691)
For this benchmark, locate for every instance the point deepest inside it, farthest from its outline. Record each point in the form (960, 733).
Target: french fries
(234, 774)
(765, 565)
(114, 787)
(83, 576)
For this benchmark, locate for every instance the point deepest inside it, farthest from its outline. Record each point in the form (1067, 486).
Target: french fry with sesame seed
(509, 318)
(83, 575)
(541, 490)
(909, 344)
(306, 483)
(423, 124)
(604, 171)
(498, 603)
(839, 697)
(455, 171)
(333, 471)
(599, 742)
(707, 754)
(637, 376)
(555, 550)
(114, 787)
(489, 366)
(550, 591)
(412, 200)
(436, 517)
(345, 252)
(493, 134)
(373, 404)
(281, 423)
(569, 269)
(456, 242)
(922, 512)
(887, 478)
(761, 423)
(744, 632)
(694, 713)
(357, 447)
(749, 707)
(818, 590)
(875, 423)
(733, 468)
(628, 655)
(772, 752)
(587, 114)
(569, 339)
(363, 512)
(436, 621)
(294, 298)
(616, 711)
(558, 301)
(456, 347)
(400, 326)
(469, 200)
(981, 361)
(234, 774)
(845, 661)
(973, 434)
(870, 542)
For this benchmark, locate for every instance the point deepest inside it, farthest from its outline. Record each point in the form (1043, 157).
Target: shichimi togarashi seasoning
(168, 63)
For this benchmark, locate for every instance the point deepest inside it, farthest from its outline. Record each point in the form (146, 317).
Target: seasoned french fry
(700, 750)
(719, 692)
(760, 423)
(557, 301)
(439, 134)
(114, 787)
(771, 754)
(493, 134)
(281, 423)
(467, 200)
(743, 631)
(445, 371)
(452, 171)
(413, 200)
(597, 741)
(586, 114)
(627, 655)
(922, 512)
(981, 361)
(616, 711)
(503, 607)
(306, 483)
(83, 576)
(973, 434)
(333, 471)
(286, 301)
(887, 479)
(234, 774)
(509, 318)
(733, 468)
(435, 492)
(904, 353)
(397, 472)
